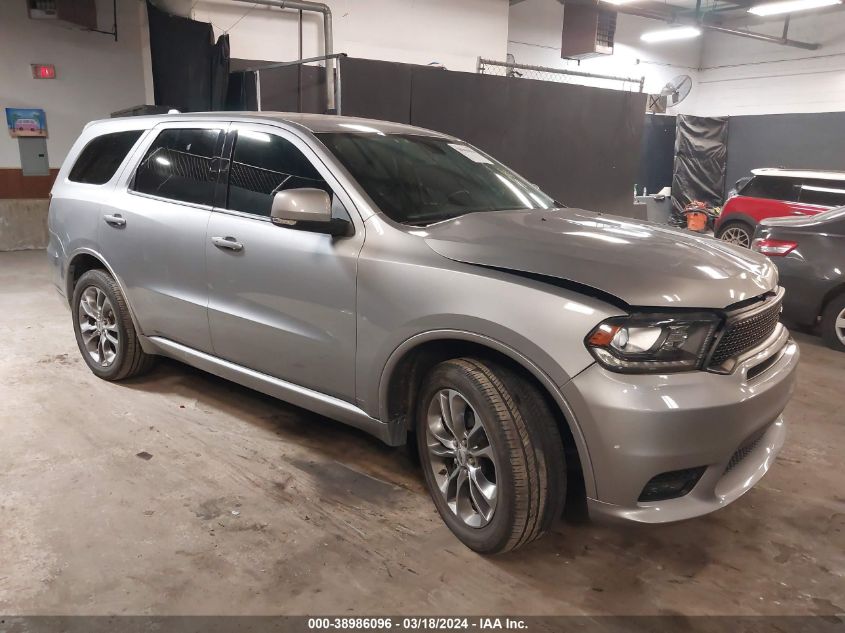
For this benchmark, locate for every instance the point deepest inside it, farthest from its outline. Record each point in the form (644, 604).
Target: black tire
(530, 472)
(832, 311)
(129, 360)
(740, 226)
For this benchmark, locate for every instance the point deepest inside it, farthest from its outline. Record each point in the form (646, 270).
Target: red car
(775, 193)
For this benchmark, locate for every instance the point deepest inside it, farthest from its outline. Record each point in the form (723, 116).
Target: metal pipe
(328, 38)
(655, 15)
(561, 71)
(296, 62)
(809, 46)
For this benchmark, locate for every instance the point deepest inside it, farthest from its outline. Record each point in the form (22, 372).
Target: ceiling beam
(671, 16)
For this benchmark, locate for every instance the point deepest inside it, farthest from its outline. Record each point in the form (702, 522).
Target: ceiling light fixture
(789, 6)
(617, 2)
(674, 33)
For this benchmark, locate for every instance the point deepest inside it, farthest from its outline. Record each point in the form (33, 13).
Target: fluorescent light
(788, 6)
(675, 33)
(618, 2)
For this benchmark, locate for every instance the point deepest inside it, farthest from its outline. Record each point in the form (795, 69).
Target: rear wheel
(491, 453)
(833, 323)
(738, 233)
(104, 330)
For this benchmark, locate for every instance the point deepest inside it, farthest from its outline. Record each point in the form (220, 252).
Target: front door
(153, 230)
(281, 300)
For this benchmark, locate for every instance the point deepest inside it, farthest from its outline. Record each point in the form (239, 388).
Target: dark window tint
(264, 164)
(827, 193)
(772, 188)
(102, 156)
(180, 165)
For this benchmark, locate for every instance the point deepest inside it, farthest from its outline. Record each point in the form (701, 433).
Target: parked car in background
(810, 256)
(738, 185)
(404, 282)
(775, 193)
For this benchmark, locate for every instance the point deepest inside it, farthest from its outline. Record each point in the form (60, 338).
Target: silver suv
(408, 284)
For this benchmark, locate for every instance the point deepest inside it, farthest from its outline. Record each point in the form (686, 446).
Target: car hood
(641, 263)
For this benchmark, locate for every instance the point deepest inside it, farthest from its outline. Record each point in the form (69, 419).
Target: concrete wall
(742, 76)
(23, 224)
(452, 32)
(731, 75)
(534, 37)
(95, 74)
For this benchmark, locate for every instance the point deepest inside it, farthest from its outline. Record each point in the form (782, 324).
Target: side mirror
(308, 210)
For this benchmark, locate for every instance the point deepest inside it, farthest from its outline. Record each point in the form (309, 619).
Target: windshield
(423, 179)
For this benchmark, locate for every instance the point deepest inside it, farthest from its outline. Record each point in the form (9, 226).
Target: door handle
(229, 243)
(115, 220)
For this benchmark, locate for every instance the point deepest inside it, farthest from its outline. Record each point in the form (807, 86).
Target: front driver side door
(281, 300)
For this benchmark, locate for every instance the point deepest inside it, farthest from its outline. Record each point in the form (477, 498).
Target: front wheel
(737, 233)
(491, 453)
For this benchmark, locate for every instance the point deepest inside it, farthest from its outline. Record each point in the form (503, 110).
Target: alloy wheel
(461, 458)
(738, 236)
(839, 326)
(98, 326)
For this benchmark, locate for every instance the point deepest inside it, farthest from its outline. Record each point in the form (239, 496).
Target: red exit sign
(43, 71)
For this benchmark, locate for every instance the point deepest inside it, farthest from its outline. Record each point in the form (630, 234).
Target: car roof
(799, 173)
(315, 123)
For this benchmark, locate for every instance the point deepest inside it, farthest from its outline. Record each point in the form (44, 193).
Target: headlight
(653, 343)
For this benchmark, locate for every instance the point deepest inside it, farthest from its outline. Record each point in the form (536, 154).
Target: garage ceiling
(724, 16)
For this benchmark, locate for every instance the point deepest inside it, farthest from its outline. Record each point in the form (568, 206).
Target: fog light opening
(672, 484)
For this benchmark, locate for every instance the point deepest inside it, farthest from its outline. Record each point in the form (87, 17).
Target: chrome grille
(746, 332)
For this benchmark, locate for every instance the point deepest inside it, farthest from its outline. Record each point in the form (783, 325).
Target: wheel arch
(79, 264)
(831, 295)
(737, 218)
(410, 361)
(86, 259)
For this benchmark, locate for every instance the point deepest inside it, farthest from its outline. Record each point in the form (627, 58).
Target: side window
(264, 164)
(772, 188)
(826, 193)
(180, 165)
(102, 156)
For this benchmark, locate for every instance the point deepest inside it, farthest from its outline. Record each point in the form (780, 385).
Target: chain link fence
(559, 75)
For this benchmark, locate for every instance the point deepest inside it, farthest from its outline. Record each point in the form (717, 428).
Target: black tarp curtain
(701, 153)
(190, 69)
(579, 144)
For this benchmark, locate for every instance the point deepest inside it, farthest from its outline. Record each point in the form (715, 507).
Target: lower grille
(746, 332)
(744, 451)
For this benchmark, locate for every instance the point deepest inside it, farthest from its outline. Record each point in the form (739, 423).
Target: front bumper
(639, 426)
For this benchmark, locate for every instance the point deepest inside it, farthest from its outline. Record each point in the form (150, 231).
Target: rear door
(154, 230)
(282, 301)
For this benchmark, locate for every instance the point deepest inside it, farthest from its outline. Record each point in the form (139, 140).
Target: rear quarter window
(772, 188)
(99, 160)
(825, 193)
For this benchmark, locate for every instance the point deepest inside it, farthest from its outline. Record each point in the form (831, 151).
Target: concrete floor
(250, 506)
